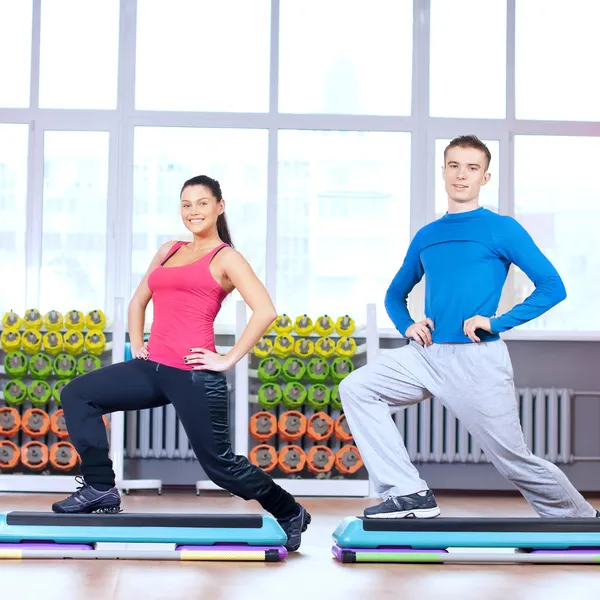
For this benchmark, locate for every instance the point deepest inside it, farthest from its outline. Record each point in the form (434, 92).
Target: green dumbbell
(38, 393)
(88, 363)
(15, 392)
(40, 366)
(294, 395)
(317, 370)
(57, 389)
(15, 364)
(334, 399)
(269, 395)
(318, 396)
(65, 366)
(293, 370)
(269, 370)
(341, 367)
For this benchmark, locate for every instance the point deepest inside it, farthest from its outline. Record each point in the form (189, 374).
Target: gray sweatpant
(475, 382)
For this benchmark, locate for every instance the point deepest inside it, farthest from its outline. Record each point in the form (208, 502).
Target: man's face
(464, 173)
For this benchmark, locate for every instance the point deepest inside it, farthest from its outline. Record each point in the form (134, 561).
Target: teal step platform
(182, 529)
(358, 539)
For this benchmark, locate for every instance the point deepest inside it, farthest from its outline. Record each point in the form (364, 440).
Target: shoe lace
(397, 503)
(82, 485)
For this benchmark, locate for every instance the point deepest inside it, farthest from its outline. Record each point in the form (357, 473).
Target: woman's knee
(72, 392)
(238, 476)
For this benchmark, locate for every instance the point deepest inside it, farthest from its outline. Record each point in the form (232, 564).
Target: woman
(187, 283)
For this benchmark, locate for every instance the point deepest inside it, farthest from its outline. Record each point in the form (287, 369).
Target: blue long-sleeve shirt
(465, 258)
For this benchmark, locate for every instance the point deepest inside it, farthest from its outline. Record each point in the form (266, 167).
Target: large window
(559, 204)
(557, 49)
(203, 55)
(468, 59)
(343, 219)
(15, 52)
(164, 158)
(79, 61)
(14, 141)
(336, 57)
(325, 123)
(73, 272)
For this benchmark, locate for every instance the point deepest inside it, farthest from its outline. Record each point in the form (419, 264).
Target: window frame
(121, 122)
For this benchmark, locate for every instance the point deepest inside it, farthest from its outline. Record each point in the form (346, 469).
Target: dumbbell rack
(47, 479)
(246, 404)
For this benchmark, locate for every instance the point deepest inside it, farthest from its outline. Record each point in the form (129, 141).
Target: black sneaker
(421, 505)
(89, 500)
(294, 528)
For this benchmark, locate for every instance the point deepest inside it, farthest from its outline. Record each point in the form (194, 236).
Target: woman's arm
(136, 314)
(241, 275)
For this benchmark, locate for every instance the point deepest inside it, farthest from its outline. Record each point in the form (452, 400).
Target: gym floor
(310, 574)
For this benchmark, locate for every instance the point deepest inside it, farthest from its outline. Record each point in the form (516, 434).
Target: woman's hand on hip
(140, 351)
(205, 360)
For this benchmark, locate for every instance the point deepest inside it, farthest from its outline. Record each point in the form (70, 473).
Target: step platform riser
(439, 556)
(194, 537)
(548, 534)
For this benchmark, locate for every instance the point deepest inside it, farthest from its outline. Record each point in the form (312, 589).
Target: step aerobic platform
(190, 536)
(536, 540)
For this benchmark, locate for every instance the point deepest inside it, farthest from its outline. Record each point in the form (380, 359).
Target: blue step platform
(183, 529)
(358, 539)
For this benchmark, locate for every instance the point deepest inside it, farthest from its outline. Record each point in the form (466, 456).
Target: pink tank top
(186, 302)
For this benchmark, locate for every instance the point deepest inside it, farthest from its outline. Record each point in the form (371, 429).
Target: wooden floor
(311, 574)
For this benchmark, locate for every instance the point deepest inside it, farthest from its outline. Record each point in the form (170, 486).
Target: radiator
(158, 433)
(433, 435)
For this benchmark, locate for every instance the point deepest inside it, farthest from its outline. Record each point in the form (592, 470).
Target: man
(456, 353)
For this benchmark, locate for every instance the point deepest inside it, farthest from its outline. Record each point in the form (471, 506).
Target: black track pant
(200, 401)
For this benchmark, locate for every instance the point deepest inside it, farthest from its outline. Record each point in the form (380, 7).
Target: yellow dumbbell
(344, 326)
(304, 348)
(32, 319)
(32, 341)
(303, 325)
(263, 348)
(346, 346)
(74, 320)
(54, 321)
(95, 320)
(283, 325)
(324, 326)
(11, 320)
(283, 346)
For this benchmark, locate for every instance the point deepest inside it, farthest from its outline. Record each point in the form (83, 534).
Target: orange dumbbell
(320, 459)
(263, 425)
(35, 422)
(348, 460)
(264, 456)
(34, 456)
(9, 455)
(291, 459)
(320, 427)
(63, 456)
(10, 421)
(342, 431)
(292, 426)
(58, 425)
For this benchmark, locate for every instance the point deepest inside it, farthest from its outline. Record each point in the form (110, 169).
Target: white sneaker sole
(421, 513)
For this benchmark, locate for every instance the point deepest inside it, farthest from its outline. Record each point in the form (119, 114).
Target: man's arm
(516, 245)
(404, 281)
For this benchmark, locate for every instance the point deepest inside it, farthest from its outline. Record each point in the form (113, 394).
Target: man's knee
(348, 388)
